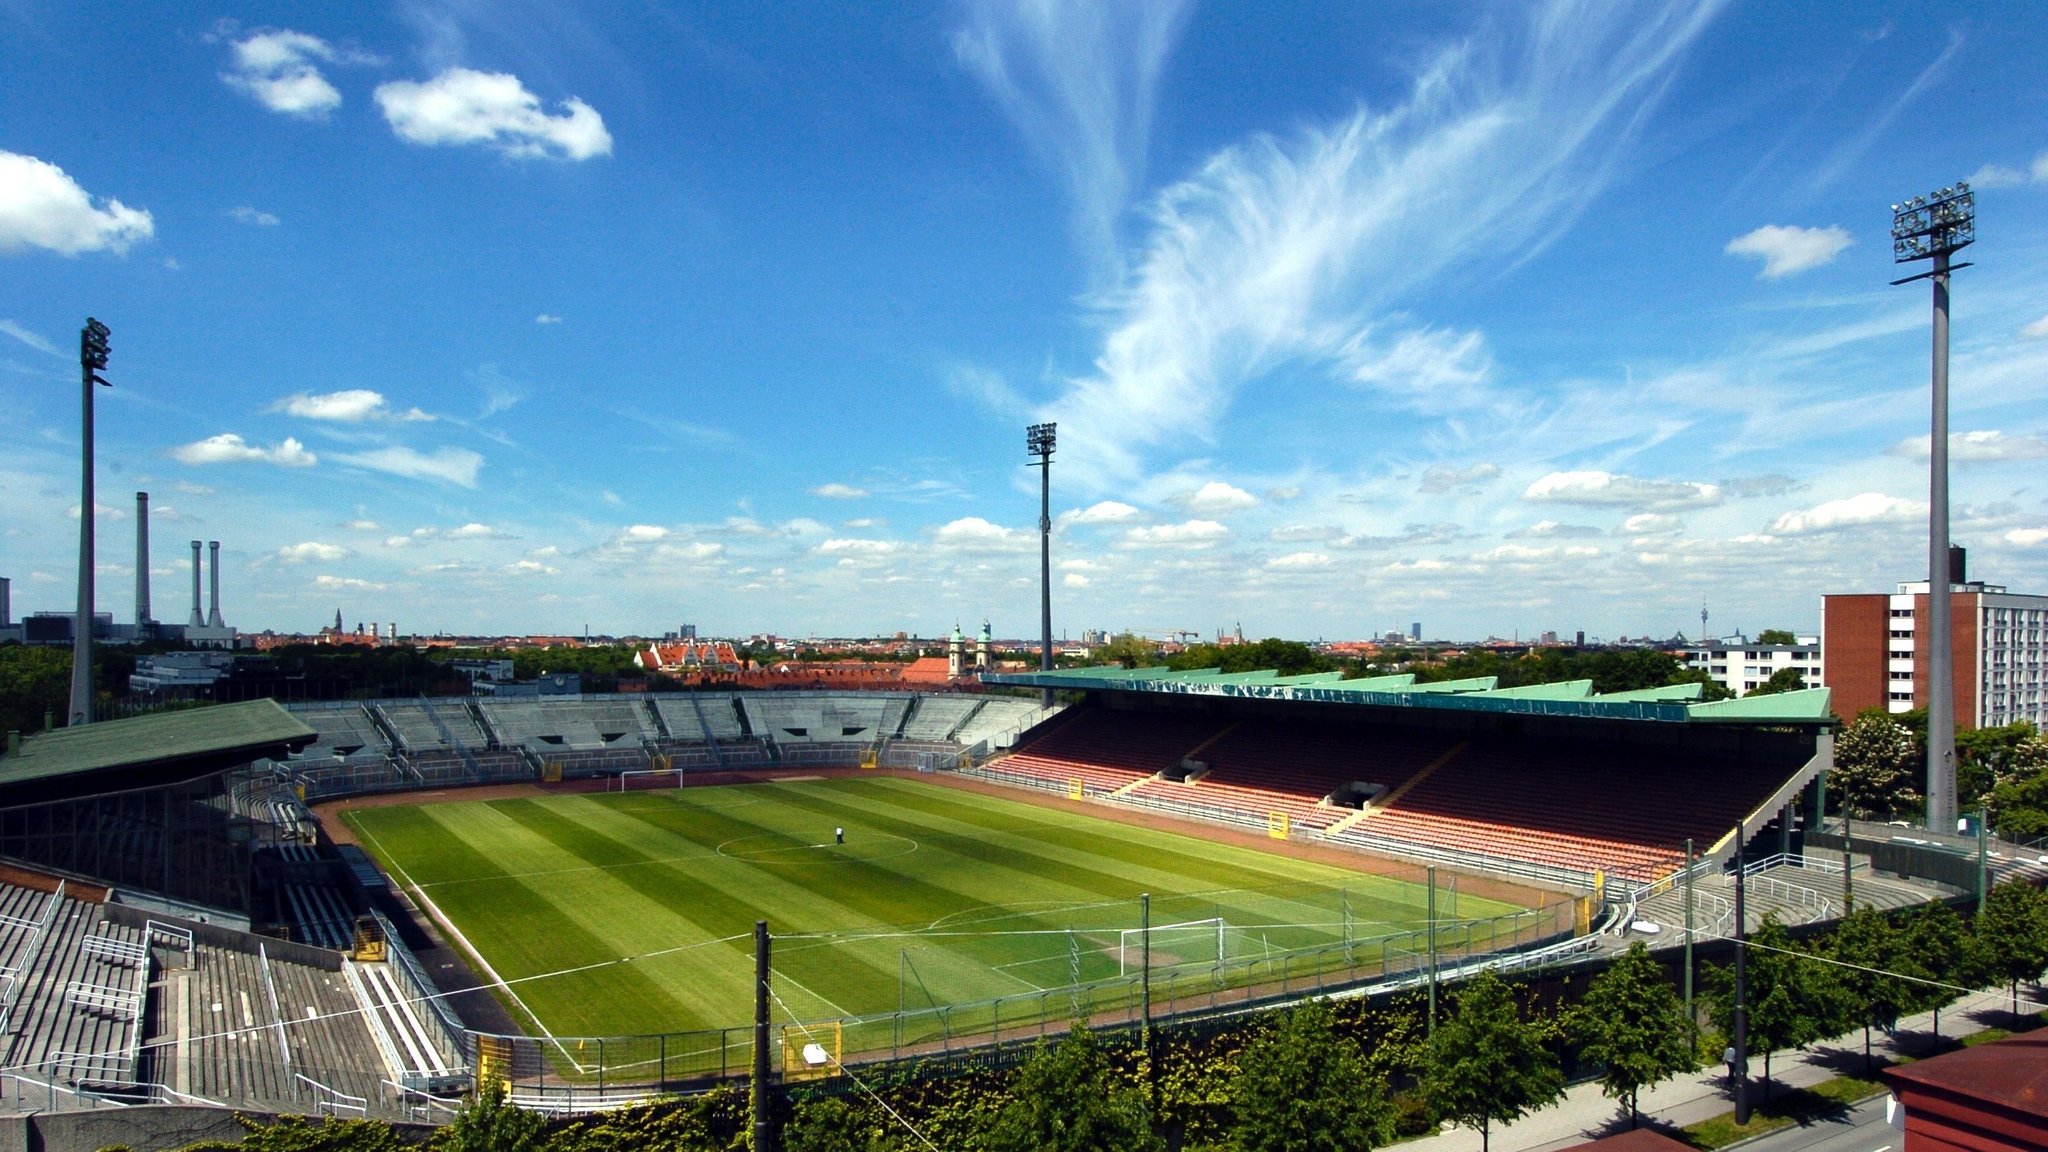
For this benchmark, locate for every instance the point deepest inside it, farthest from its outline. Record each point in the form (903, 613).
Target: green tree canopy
(1065, 1100)
(488, 1123)
(1877, 961)
(2012, 929)
(2018, 808)
(1794, 999)
(1988, 757)
(34, 682)
(1776, 636)
(828, 1124)
(1875, 760)
(1287, 657)
(1486, 1063)
(1303, 1087)
(1947, 952)
(1783, 680)
(1632, 1024)
(1129, 650)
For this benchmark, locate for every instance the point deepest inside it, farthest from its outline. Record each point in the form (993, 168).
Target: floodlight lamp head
(1040, 439)
(1925, 227)
(92, 345)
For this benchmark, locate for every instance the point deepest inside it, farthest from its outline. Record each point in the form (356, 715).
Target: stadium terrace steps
(428, 725)
(938, 717)
(78, 1008)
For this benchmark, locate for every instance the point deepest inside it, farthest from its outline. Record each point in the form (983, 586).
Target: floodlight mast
(1039, 441)
(92, 358)
(1933, 227)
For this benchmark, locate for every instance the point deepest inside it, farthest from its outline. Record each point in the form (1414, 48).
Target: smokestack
(198, 619)
(6, 602)
(142, 619)
(213, 571)
(394, 631)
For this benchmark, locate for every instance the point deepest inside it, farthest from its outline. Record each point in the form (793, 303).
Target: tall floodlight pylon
(92, 358)
(1039, 441)
(1933, 227)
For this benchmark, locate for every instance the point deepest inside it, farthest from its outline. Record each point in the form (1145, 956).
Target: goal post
(645, 778)
(1191, 942)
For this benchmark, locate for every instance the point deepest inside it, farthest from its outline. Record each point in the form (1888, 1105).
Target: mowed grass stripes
(645, 902)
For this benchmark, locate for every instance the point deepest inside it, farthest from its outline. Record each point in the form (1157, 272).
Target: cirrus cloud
(349, 406)
(493, 109)
(457, 466)
(836, 491)
(1978, 447)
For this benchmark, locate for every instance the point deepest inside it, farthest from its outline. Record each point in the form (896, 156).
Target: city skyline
(1503, 318)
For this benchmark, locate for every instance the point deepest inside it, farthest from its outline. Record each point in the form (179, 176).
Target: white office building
(1740, 666)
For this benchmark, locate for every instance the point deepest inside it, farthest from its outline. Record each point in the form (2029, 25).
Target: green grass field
(939, 896)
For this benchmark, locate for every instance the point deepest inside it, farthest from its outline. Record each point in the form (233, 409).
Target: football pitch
(632, 913)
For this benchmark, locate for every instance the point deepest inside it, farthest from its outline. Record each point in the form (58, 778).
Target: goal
(641, 779)
(1190, 943)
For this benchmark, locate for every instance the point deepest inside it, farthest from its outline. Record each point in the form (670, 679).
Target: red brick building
(1991, 1098)
(1874, 653)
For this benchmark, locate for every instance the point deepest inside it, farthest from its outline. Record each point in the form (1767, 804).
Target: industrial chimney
(213, 619)
(198, 619)
(142, 620)
(6, 604)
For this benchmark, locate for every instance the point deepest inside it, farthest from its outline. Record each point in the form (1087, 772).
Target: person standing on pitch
(839, 835)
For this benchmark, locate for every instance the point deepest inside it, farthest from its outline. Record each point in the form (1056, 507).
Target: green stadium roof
(1675, 703)
(162, 748)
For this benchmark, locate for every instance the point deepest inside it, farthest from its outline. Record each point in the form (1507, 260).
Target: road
(1863, 1129)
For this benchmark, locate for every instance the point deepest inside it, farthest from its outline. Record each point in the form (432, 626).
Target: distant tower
(956, 654)
(984, 649)
(1704, 638)
(337, 621)
(213, 619)
(142, 616)
(198, 619)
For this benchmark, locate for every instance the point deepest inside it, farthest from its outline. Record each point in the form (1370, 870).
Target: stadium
(365, 909)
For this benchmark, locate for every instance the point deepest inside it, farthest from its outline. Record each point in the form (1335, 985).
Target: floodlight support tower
(92, 358)
(1934, 227)
(1039, 441)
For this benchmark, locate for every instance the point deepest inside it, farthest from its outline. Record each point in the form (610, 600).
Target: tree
(1989, 757)
(34, 682)
(2012, 928)
(1793, 999)
(2018, 808)
(1781, 636)
(1875, 758)
(1129, 650)
(1063, 1100)
(1783, 680)
(488, 1123)
(1301, 1086)
(1486, 1063)
(828, 1124)
(1633, 1025)
(1947, 953)
(1878, 964)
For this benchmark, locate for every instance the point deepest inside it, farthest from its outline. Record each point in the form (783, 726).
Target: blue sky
(533, 316)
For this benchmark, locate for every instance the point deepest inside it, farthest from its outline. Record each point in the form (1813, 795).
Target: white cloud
(349, 406)
(1194, 532)
(475, 531)
(547, 318)
(1443, 478)
(1649, 524)
(398, 541)
(2038, 330)
(1073, 580)
(2027, 537)
(1866, 508)
(1978, 447)
(697, 550)
(277, 68)
(248, 215)
(1551, 529)
(461, 106)
(1786, 250)
(529, 568)
(1078, 79)
(453, 465)
(1609, 489)
(1299, 561)
(363, 526)
(858, 547)
(41, 207)
(229, 448)
(1216, 497)
(1432, 369)
(310, 550)
(644, 532)
(328, 583)
(975, 533)
(1287, 250)
(1999, 176)
(1103, 512)
(837, 491)
(29, 338)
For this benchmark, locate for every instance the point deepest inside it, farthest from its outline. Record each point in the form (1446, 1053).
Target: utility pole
(1432, 950)
(92, 358)
(763, 1091)
(1691, 1021)
(1738, 1068)
(1933, 227)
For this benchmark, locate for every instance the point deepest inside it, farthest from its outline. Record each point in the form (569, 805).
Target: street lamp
(1932, 227)
(92, 359)
(1039, 440)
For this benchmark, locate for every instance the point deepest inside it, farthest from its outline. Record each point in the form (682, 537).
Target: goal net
(640, 779)
(1189, 943)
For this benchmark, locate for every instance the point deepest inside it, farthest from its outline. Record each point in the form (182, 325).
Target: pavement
(1586, 1114)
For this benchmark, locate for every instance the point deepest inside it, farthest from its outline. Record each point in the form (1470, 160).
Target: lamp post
(1039, 440)
(92, 359)
(1933, 227)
